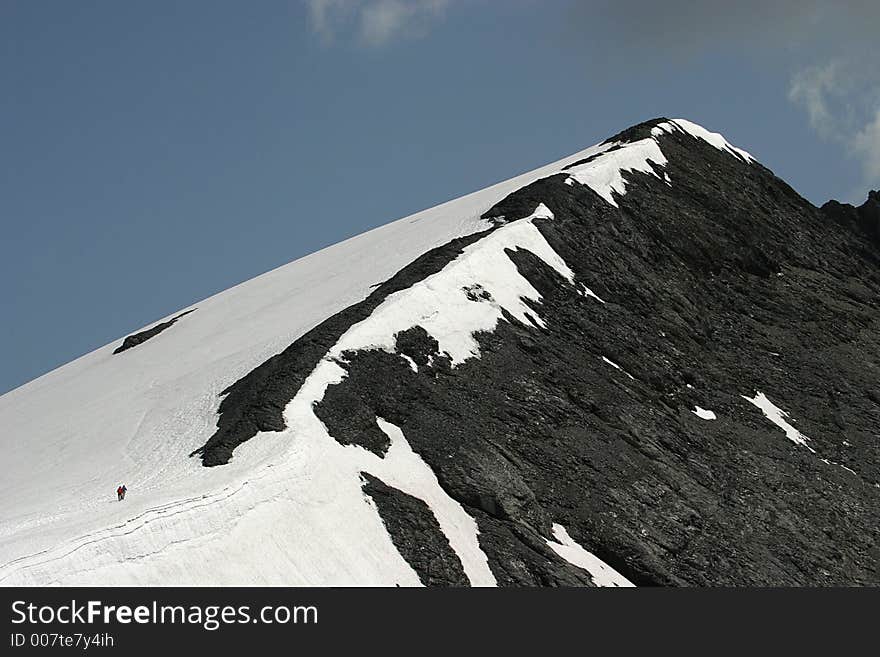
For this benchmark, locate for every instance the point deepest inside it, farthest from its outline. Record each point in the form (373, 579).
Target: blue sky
(154, 153)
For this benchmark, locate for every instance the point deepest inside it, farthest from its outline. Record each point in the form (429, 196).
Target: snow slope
(284, 510)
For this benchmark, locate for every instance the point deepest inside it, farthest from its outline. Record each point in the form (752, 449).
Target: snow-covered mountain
(651, 362)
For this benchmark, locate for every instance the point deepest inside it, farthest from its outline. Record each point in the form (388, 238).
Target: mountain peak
(638, 149)
(650, 362)
(654, 128)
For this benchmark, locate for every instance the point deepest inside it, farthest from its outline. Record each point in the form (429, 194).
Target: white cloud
(325, 15)
(866, 144)
(812, 88)
(842, 101)
(374, 22)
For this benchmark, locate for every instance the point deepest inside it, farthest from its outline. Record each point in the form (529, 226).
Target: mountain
(649, 363)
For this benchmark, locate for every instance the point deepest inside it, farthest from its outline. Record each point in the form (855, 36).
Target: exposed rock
(416, 534)
(138, 338)
(865, 218)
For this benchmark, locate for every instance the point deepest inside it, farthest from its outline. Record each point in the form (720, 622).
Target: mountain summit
(649, 363)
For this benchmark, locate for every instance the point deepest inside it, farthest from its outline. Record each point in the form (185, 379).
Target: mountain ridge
(649, 363)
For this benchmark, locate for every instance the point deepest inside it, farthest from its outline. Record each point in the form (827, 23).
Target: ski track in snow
(567, 548)
(288, 508)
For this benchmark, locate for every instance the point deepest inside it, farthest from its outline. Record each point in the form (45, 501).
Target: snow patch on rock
(604, 174)
(714, 138)
(703, 413)
(567, 548)
(777, 416)
(587, 292)
(441, 305)
(617, 367)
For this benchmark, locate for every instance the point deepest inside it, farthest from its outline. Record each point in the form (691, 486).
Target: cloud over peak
(374, 22)
(842, 101)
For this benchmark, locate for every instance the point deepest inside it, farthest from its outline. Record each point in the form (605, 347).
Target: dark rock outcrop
(416, 534)
(865, 218)
(142, 336)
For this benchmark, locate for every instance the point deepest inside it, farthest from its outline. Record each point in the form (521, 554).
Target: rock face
(865, 218)
(709, 285)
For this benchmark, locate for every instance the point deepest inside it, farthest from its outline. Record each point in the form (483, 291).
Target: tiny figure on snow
(120, 492)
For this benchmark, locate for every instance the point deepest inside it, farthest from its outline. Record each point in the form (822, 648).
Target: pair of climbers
(120, 492)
